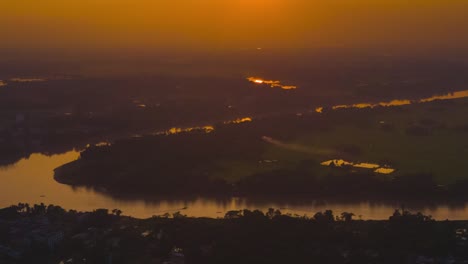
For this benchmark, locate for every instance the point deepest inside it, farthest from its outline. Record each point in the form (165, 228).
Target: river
(31, 181)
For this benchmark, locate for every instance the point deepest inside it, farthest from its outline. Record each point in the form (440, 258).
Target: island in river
(374, 152)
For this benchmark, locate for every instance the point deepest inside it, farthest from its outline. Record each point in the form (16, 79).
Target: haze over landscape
(233, 131)
(203, 25)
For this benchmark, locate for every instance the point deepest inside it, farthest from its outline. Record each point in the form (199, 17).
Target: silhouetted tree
(233, 214)
(116, 212)
(347, 217)
(272, 213)
(324, 217)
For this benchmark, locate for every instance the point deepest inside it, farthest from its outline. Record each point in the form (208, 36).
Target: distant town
(50, 234)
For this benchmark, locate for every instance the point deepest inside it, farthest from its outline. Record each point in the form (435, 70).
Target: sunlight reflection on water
(206, 129)
(178, 130)
(239, 120)
(271, 83)
(376, 167)
(37, 171)
(449, 96)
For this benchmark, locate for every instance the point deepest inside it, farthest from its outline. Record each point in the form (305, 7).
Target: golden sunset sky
(155, 25)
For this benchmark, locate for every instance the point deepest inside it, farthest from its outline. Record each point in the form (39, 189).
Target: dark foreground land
(49, 234)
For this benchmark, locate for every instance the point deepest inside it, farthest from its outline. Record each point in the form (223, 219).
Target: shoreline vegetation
(50, 234)
(241, 160)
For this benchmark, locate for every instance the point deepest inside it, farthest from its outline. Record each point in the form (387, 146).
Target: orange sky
(150, 25)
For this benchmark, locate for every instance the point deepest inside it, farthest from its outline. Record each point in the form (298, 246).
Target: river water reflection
(401, 102)
(31, 180)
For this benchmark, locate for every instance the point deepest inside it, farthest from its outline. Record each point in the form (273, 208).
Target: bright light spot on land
(103, 144)
(271, 83)
(146, 233)
(342, 163)
(319, 110)
(2, 83)
(239, 120)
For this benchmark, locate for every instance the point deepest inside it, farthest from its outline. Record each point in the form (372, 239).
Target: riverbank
(37, 171)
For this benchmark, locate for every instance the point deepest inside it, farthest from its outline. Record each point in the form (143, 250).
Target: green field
(429, 138)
